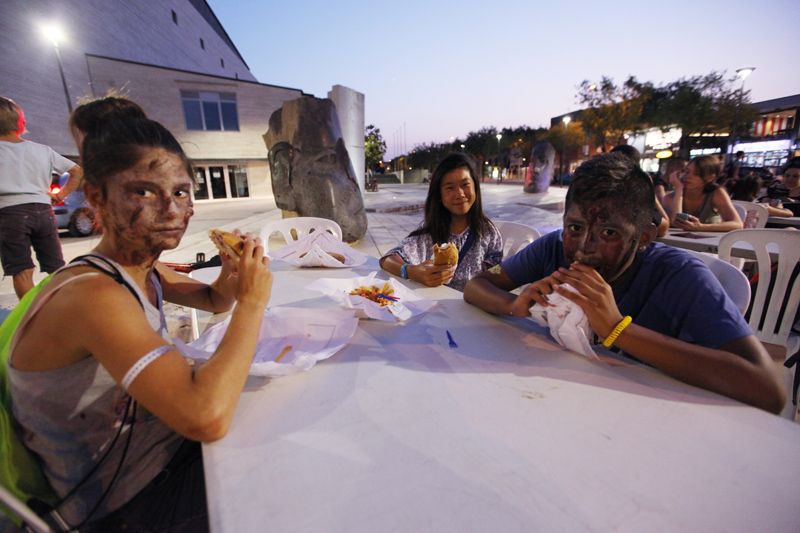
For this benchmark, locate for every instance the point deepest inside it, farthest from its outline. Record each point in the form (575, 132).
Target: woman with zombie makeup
(109, 405)
(453, 214)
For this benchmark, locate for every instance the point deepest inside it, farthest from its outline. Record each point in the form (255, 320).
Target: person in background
(654, 302)
(697, 203)
(26, 213)
(787, 191)
(731, 173)
(110, 406)
(660, 218)
(746, 189)
(453, 213)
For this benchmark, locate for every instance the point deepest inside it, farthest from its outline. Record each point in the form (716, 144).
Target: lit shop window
(210, 111)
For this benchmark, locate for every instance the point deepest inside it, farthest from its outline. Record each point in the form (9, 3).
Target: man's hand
(431, 275)
(593, 295)
(535, 293)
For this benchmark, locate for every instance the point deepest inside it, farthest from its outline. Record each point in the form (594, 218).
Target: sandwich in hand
(446, 254)
(227, 242)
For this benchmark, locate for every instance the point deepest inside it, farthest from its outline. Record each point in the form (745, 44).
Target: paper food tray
(407, 306)
(311, 335)
(313, 250)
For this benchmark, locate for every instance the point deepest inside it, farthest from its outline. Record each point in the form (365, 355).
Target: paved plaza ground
(392, 212)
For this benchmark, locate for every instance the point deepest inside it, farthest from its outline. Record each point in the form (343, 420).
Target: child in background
(453, 213)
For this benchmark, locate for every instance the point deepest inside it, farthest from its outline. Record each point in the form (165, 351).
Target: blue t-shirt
(665, 289)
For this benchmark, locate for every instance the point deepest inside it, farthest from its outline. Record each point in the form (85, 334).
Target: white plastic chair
(731, 278)
(757, 212)
(292, 229)
(773, 311)
(515, 236)
(31, 520)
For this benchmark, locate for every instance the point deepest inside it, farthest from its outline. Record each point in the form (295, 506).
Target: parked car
(74, 213)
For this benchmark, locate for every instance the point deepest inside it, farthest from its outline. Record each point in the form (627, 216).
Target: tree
(702, 104)
(612, 110)
(698, 104)
(567, 140)
(374, 147)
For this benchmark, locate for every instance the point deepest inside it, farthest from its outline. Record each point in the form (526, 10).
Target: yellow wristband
(619, 328)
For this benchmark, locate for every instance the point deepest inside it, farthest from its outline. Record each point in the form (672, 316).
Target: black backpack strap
(467, 246)
(107, 267)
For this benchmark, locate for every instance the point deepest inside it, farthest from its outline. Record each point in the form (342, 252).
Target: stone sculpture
(543, 158)
(312, 174)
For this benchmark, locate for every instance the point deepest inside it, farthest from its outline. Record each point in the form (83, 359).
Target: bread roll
(446, 254)
(227, 242)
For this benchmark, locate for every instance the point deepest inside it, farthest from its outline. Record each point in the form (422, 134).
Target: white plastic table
(399, 432)
(783, 222)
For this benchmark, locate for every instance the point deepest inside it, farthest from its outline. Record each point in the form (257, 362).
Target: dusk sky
(432, 70)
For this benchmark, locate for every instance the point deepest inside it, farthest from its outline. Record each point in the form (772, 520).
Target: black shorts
(174, 502)
(26, 225)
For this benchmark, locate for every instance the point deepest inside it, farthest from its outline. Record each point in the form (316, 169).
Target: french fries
(371, 292)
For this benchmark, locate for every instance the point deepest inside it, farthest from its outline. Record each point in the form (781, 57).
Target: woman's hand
(676, 181)
(431, 275)
(254, 279)
(691, 223)
(594, 296)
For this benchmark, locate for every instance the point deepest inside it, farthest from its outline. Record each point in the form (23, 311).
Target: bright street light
(566, 120)
(744, 72)
(55, 35)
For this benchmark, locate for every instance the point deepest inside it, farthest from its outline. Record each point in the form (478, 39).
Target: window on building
(221, 62)
(237, 180)
(174, 17)
(202, 44)
(210, 111)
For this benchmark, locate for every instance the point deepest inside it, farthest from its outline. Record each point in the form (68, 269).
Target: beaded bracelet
(619, 328)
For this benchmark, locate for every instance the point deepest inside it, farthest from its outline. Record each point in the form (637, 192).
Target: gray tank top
(70, 416)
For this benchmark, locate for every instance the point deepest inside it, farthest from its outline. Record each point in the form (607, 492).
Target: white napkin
(303, 336)
(408, 304)
(313, 248)
(567, 322)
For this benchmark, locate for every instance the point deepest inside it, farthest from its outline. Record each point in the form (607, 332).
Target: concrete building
(174, 58)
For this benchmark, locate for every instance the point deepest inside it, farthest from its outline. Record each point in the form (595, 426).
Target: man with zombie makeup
(26, 215)
(658, 304)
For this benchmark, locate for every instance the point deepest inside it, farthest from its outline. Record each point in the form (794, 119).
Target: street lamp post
(499, 170)
(566, 120)
(743, 73)
(55, 35)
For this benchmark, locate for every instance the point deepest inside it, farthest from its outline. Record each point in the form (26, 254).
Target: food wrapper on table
(291, 340)
(402, 303)
(568, 324)
(312, 251)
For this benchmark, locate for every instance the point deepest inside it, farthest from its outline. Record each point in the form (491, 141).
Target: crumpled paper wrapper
(568, 324)
(298, 338)
(407, 306)
(313, 250)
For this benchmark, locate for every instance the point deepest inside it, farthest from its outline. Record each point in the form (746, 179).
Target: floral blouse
(484, 253)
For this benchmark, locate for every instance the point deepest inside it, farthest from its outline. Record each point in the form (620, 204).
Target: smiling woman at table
(453, 214)
(654, 302)
(102, 397)
(708, 206)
